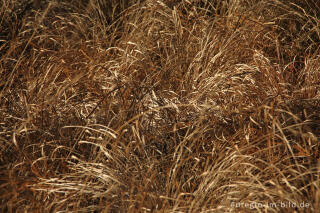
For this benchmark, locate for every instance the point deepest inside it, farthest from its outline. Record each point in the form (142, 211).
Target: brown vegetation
(159, 106)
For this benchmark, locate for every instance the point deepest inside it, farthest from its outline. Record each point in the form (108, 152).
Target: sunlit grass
(159, 106)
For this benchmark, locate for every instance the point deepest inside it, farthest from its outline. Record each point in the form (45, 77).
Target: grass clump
(159, 106)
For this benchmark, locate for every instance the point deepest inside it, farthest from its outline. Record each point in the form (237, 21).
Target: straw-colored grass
(159, 106)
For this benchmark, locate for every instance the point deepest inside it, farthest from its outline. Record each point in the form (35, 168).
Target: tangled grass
(159, 106)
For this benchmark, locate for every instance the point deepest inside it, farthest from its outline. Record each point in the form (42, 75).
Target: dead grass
(151, 106)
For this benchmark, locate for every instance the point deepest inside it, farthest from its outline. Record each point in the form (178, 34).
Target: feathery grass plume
(159, 106)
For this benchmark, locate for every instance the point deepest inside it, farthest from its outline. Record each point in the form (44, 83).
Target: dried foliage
(159, 106)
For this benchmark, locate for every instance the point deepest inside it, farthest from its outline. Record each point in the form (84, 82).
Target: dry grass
(151, 106)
